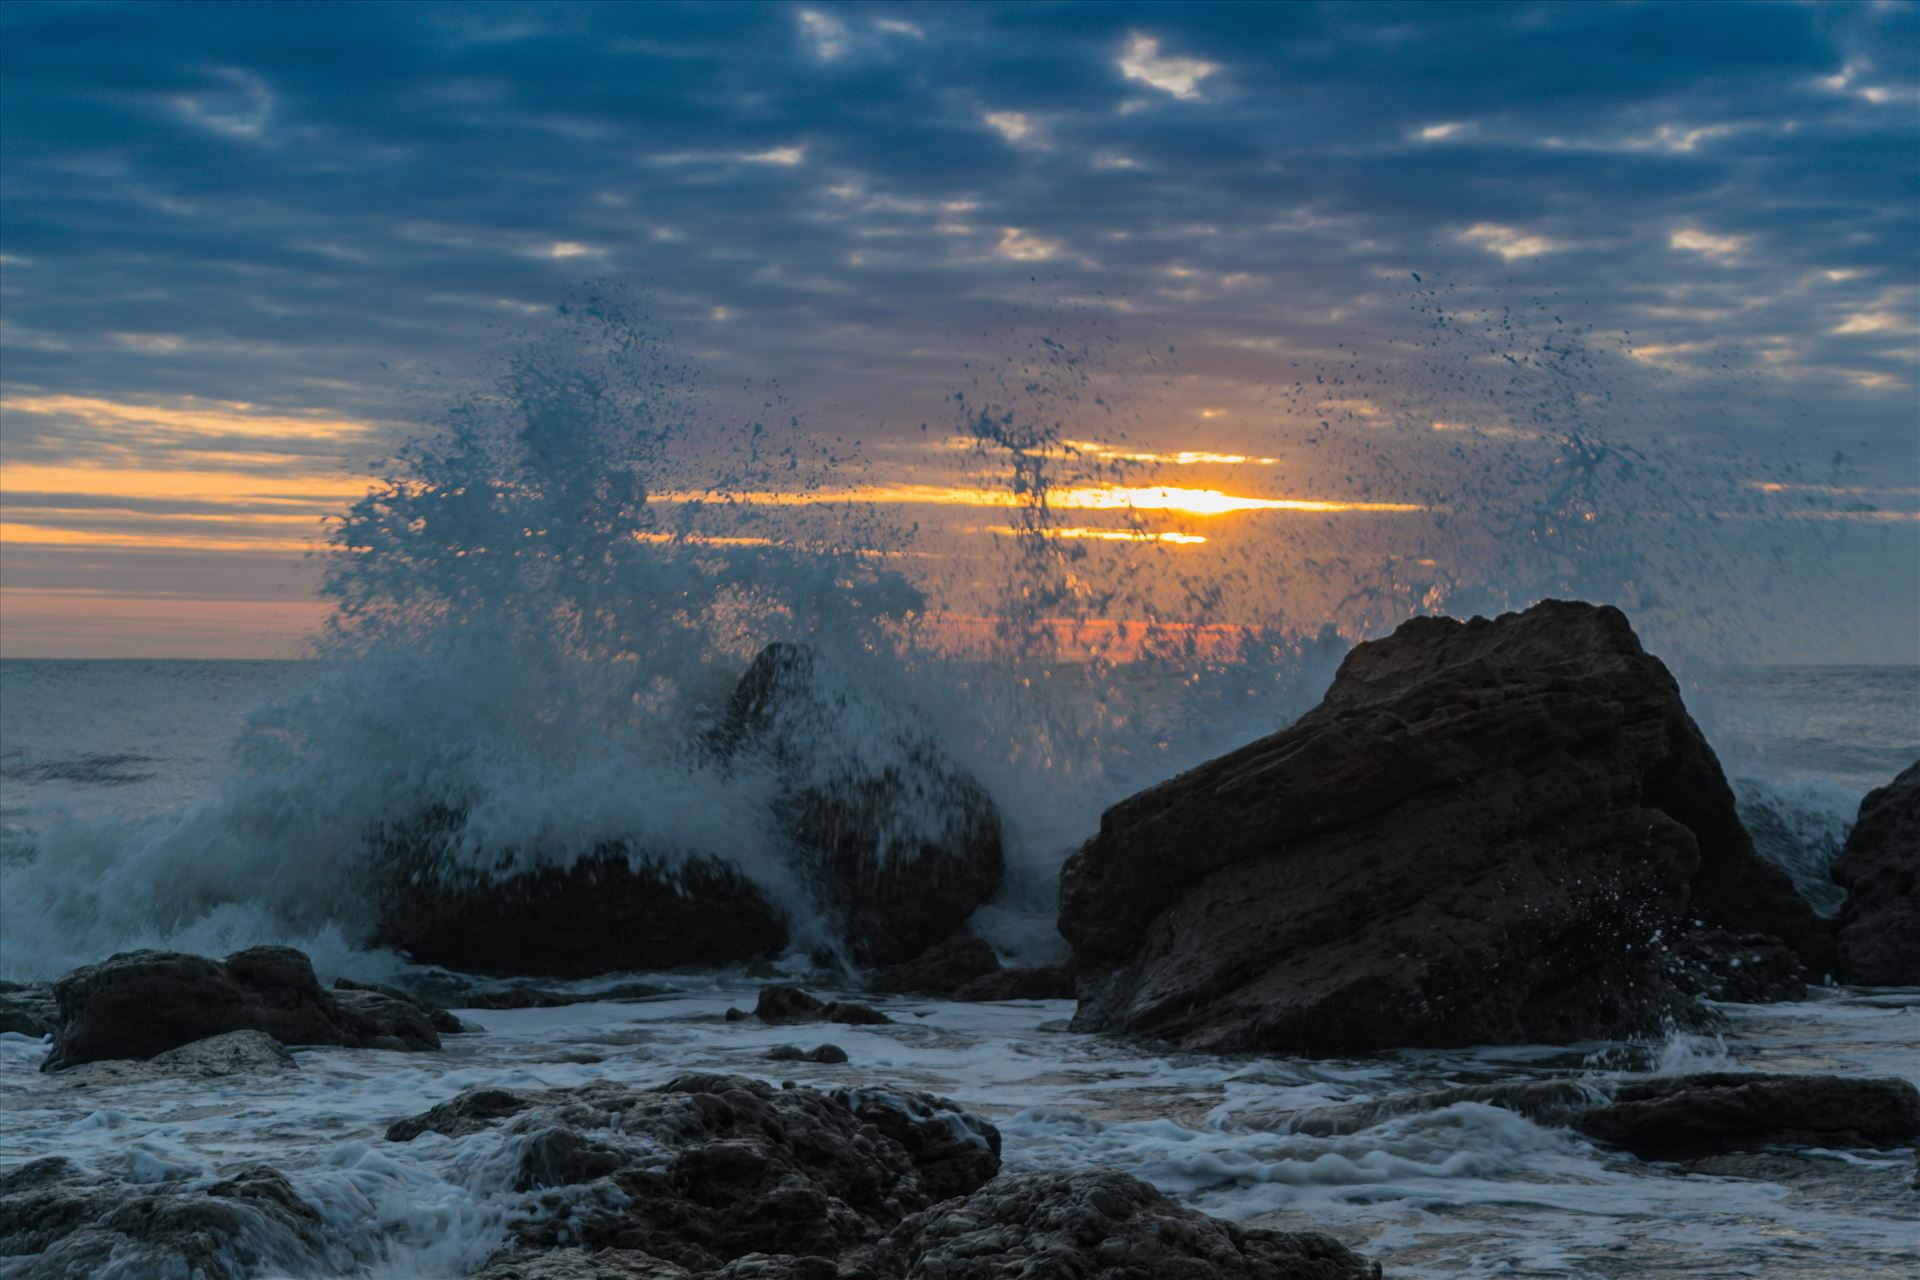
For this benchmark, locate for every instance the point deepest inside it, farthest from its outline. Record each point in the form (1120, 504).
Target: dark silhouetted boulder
(142, 1003)
(608, 912)
(831, 1054)
(706, 1170)
(28, 1008)
(900, 840)
(1487, 832)
(1732, 1111)
(1101, 1223)
(940, 970)
(1879, 925)
(781, 1005)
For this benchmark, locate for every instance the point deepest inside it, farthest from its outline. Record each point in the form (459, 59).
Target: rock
(28, 1009)
(900, 840)
(1879, 925)
(1487, 832)
(612, 911)
(356, 995)
(829, 1053)
(706, 1170)
(142, 1003)
(940, 970)
(578, 1264)
(781, 1005)
(1050, 983)
(519, 997)
(74, 1225)
(1692, 1115)
(1106, 1224)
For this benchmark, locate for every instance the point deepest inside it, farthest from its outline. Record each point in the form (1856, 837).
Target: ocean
(145, 803)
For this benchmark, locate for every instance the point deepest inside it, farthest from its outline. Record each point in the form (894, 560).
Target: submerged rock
(706, 1170)
(71, 1224)
(899, 839)
(781, 1005)
(614, 910)
(236, 1053)
(825, 1053)
(1716, 1112)
(142, 1003)
(1879, 925)
(1101, 1223)
(1487, 832)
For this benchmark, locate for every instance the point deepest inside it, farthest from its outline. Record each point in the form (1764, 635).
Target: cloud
(1180, 77)
(1508, 242)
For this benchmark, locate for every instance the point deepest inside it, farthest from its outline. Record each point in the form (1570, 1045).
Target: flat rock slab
(1671, 1116)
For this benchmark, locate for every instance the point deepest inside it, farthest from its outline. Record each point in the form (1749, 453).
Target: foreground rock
(781, 1005)
(70, 1224)
(142, 1003)
(615, 910)
(898, 838)
(1102, 1223)
(1717, 1112)
(705, 1170)
(1879, 925)
(1487, 832)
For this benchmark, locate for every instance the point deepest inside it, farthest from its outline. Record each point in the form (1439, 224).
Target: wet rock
(1104, 1223)
(614, 910)
(368, 998)
(579, 1264)
(828, 1053)
(900, 839)
(1487, 832)
(1049, 983)
(704, 1171)
(520, 997)
(782, 1005)
(142, 1003)
(1879, 925)
(71, 1224)
(28, 1008)
(1744, 968)
(940, 970)
(1713, 1112)
(236, 1053)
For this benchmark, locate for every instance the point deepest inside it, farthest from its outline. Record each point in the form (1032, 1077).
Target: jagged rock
(1732, 1111)
(611, 911)
(940, 970)
(1048, 983)
(781, 1005)
(901, 840)
(578, 1264)
(828, 1053)
(236, 1053)
(71, 1224)
(1487, 832)
(706, 1170)
(1879, 925)
(1106, 1224)
(141, 1003)
(28, 1008)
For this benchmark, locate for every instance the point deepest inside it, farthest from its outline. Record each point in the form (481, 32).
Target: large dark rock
(706, 1170)
(1101, 1223)
(900, 840)
(782, 1005)
(1879, 925)
(65, 1223)
(611, 911)
(940, 970)
(1735, 1111)
(1492, 831)
(28, 1008)
(142, 1003)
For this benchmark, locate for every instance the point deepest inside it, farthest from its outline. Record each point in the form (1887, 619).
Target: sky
(1298, 251)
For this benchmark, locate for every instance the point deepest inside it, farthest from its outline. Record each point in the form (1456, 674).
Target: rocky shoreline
(1504, 832)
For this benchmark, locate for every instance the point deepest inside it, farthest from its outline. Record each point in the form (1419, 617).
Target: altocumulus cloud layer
(238, 242)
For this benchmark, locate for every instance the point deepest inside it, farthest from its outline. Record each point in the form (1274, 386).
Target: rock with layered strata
(1487, 832)
(1879, 866)
(897, 838)
(142, 1003)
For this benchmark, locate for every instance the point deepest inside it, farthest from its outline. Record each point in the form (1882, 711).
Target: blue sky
(244, 246)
